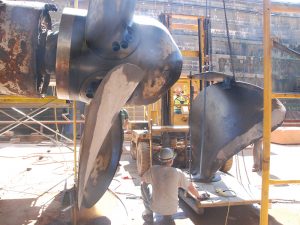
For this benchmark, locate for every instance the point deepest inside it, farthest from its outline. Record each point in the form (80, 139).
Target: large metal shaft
(23, 31)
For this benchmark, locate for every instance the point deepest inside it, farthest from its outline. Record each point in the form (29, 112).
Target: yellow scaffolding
(268, 8)
(7, 101)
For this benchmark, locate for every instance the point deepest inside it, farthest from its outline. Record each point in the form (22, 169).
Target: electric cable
(243, 157)
(55, 113)
(114, 194)
(234, 77)
(233, 72)
(227, 214)
(203, 124)
(57, 130)
(190, 132)
(229, 42)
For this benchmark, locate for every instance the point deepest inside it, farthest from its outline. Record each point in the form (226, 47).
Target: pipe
(43, 122)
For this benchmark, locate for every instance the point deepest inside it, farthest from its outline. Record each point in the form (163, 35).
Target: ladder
(269, 8)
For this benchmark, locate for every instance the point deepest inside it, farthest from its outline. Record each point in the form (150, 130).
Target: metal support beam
(43, 121)
(280, 182)
(38, 122)
(30, 127)
(268, 95)
(285, 8)
(286, 95)
(19, 121)
(267, 120)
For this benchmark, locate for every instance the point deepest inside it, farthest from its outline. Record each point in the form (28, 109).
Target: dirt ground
(34, 179)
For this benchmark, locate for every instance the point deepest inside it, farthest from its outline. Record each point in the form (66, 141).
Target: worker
(160, 185)
(179, 100)
(124, 119)
(257, 156)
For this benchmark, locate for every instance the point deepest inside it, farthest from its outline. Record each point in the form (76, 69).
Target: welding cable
(133, 196)
(222, 192)
(285, 201)
(188, 146)
(203, 126)
(243, 157)
(114, 194)
(237, 169)
(119, 183)
(228, 40)
(247, 189)
(128, 195)
(56, 124)
(227, 215)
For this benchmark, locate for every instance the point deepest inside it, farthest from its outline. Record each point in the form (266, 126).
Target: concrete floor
(33, 178)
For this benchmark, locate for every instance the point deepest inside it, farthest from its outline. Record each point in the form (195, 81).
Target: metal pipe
(283, 48)
(22, 49)
(74, 140)
(199, 45)
(285, 8)
(75, 209)
(43, 121)
(280, 182)
(267, 118)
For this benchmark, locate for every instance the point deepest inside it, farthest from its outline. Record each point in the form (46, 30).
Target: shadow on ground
(237, 215)
(18, 211)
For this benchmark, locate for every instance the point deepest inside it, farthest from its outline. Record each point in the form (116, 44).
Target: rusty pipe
(22, 43)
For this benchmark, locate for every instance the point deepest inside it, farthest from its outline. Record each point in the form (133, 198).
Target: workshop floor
(34, 177)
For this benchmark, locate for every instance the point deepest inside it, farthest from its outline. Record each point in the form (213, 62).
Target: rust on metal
(16, 56)
(18, 44)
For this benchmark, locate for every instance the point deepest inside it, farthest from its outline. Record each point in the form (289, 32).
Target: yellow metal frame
(152, 112)
(191, 27)
(9, 99)
(268, 95)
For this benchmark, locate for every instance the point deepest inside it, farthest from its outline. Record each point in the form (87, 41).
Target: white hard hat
(166, 154)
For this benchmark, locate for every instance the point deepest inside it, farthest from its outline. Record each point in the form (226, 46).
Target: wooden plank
(232, 193)
(285, 8)
(182, 26)
(289, 95)
(7, 101)
(189, 53)
(182, 128)
(185, 17)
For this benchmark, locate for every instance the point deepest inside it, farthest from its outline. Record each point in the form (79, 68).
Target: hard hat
(166, 154)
